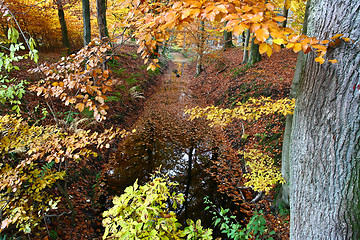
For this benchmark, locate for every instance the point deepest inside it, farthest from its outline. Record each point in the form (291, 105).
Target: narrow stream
(165, 137)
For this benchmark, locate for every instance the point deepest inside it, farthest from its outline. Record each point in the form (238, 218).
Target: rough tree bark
(283, 197)
(86, 21)
(325, 139)
(101, 18)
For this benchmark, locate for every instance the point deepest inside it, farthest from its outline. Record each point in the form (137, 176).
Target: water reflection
(184, 161)
(183, 148)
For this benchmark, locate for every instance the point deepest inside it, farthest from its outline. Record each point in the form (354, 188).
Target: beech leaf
(80, 106)
(320, 60)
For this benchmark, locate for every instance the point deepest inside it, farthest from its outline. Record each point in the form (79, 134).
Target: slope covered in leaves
(224, 83)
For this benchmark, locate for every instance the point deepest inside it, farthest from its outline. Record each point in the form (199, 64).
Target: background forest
(132, 119)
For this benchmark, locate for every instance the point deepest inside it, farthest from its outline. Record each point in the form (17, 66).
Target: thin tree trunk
(101, 18)
(285, 14)
(199, 66)
(64, 31)
(188, 184)
(325, 140)
(86, 21)
(246, 47)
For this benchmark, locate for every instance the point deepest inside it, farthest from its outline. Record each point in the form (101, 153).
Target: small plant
(263, 174)
(11, 90)
(283, 210)
(195, 231)
(228, 225)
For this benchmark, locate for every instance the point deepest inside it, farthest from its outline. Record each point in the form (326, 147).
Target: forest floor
(223, 82)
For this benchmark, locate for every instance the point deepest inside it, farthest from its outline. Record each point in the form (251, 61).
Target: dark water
(184, 149)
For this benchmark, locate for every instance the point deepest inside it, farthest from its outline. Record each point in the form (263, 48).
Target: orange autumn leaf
(279, 19)
(297, 47)
(320, 60)
(262, 34)
(238, 30)
(80, 106)
(264, 47)
(336, 36)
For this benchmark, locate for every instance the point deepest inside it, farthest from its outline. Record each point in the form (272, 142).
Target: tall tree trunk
(101, 18)
(284, 194)
(86, 21)
(254, 55)
(325, 141)
(64, 31)
(246, 47)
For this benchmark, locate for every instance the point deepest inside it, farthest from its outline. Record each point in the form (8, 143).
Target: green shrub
(142, 212)
(255, 229)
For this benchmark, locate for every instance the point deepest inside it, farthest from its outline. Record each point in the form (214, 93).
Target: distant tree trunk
(101, 18)
(64, 31)
(254, 55)
(227, 39)
(325, 139)
(246, 47)
(285, 14)
(199, 66)
(86, 21)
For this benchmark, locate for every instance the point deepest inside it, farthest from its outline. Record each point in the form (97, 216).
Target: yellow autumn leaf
(256, 19)
(290, 45)
(297, 47)
(246, 8)
(320, 60)
(177, 5)
(262, 34)
(238, 30)
(270, 6)
(324, 41)
(185, 13)
(80, 107)
(279, 41)
(262, 48)
(333, 61)
(279, 18)
(336, 36)
(169, 16)
(269, 51)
